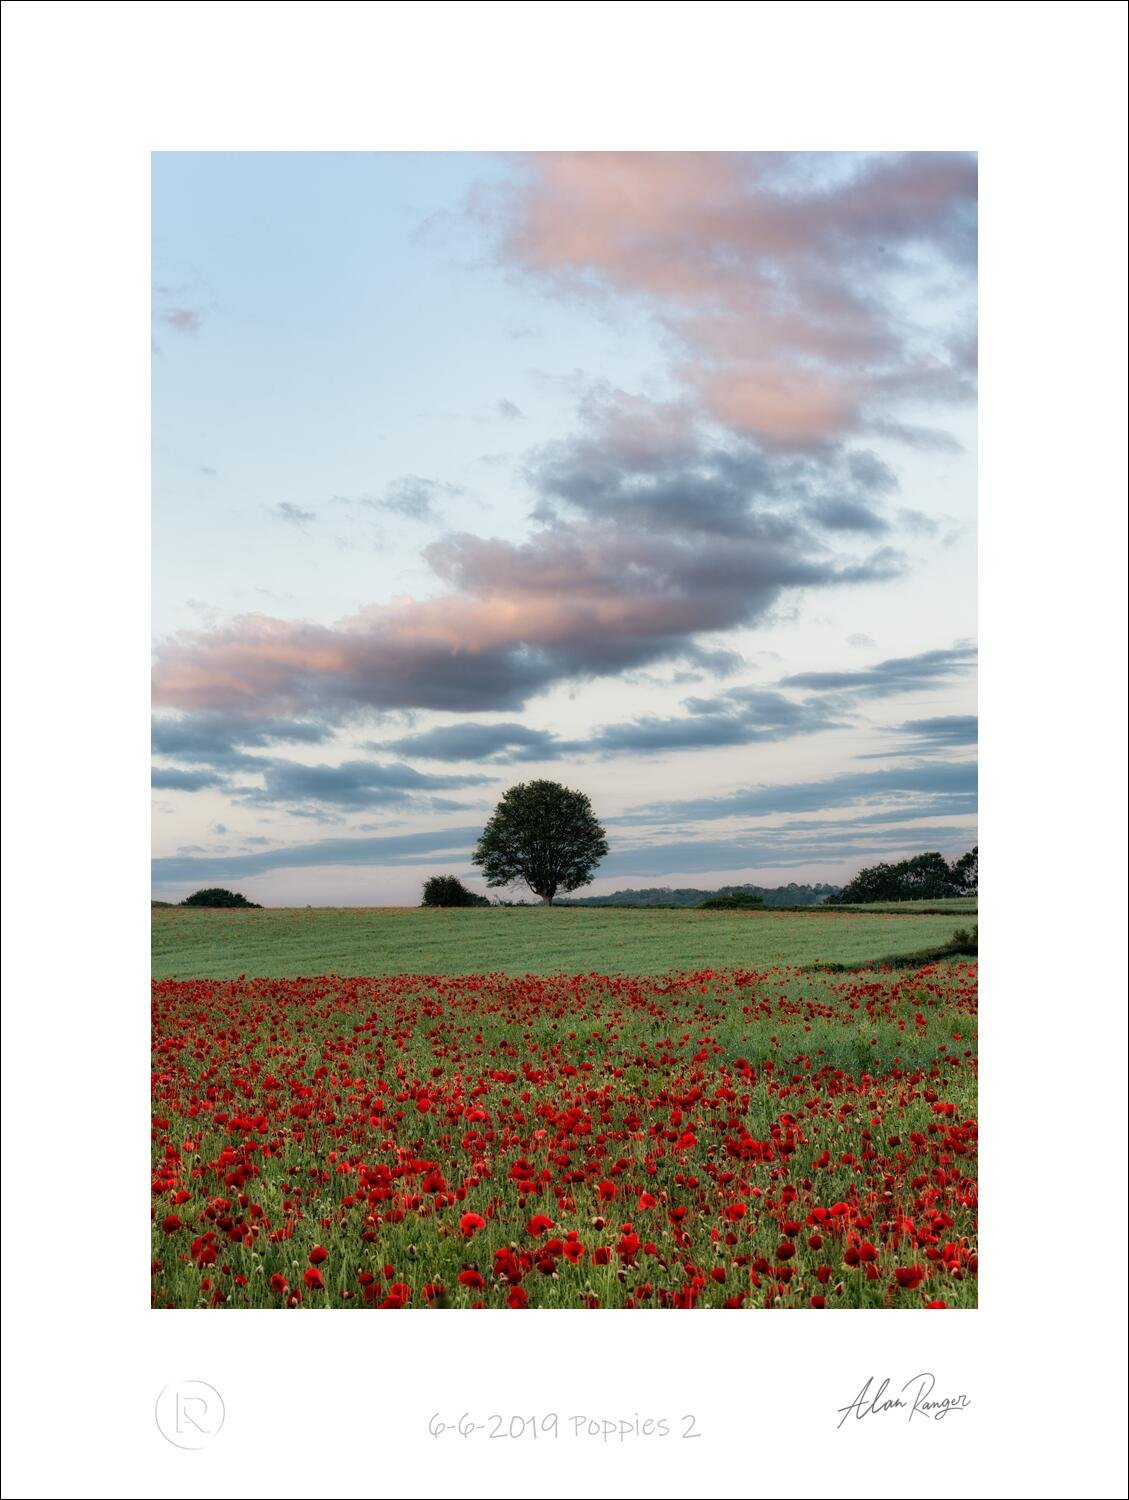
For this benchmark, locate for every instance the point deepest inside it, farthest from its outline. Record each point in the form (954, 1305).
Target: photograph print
(564, 882)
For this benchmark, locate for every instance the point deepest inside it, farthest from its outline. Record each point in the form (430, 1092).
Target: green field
(289, 942)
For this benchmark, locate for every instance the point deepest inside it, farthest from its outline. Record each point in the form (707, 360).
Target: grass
(290, 942)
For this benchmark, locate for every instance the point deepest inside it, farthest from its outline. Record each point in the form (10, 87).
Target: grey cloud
(354, 784)
(737, 853)
(937, 778)
(415, 498)
(510, 410)
(896, 675)
(470, 741)
(662, 541)
(774, 847)
(221, 740)
(924, 439)
(175, 779)
(293, 514)
(404, 848)
(647, 463)
(944, 732)
(741, 716)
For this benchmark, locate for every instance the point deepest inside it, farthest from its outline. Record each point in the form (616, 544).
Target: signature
(916, 1399)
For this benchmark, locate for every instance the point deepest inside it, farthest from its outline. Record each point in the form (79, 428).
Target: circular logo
(190, 1413)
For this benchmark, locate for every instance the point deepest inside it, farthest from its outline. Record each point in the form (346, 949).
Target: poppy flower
(318, 1256)
(470, 1224)
(471, 1279)
(313, 1280)
(909, 1278)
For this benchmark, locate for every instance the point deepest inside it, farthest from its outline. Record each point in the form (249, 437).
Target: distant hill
(664, 895)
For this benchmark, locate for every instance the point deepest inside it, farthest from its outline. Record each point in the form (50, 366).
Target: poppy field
(712, 1139)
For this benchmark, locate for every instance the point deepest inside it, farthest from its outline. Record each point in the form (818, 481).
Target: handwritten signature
(916, 1399)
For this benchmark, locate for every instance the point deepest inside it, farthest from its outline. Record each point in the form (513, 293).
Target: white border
(341, 1404)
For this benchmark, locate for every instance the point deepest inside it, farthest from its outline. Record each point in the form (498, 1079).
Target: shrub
(448, 890)
(735, 901)
(963, 942)
(217, 896)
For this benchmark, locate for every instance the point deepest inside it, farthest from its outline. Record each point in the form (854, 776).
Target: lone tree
(542, 833)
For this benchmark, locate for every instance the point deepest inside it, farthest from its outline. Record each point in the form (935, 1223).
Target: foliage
(735, 901)
(217, 896)
(545, 834)
(664, 895)
(448, 890)
(925, 877)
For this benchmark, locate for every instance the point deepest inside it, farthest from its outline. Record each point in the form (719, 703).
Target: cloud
(944, 732)
(741, 716)
(221, 741)
(509, 410)
(655, 531)
(697, 855)
(792, 282)
(793, 845)
(294, 514)
(652, 464)
(414, 498)
(471, 741)
(175, 779)
(352, 785)
(407, 848)
(898, 674)
(575, 601)
(937, 779)
(187, 320)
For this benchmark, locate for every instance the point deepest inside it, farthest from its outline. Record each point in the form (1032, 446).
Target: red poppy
(313, 1280)
(470, 1224)
(318, 1256)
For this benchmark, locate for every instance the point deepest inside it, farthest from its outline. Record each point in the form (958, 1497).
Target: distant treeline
(665, 895)
(925, 877)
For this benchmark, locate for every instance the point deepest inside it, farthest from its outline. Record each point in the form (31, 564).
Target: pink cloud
(784, 277)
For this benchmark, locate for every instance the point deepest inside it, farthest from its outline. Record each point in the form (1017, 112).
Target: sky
(651, 473)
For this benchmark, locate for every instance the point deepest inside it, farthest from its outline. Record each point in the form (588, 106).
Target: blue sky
(651, 473)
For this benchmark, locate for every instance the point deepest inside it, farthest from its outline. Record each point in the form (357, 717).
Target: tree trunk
(546, 900)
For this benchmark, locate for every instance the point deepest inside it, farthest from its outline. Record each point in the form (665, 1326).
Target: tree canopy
(924, 877)
(545, 834)
(216, 896)
(448, 890)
